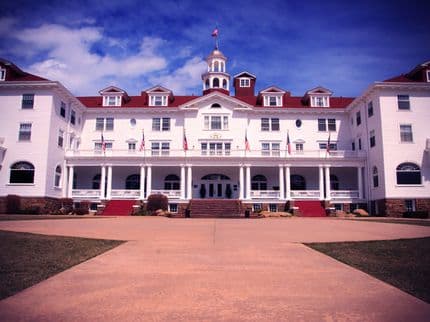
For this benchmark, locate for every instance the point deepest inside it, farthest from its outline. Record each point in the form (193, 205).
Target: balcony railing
(264, 194)
(305, 194)
(124, 194)
(175, 194)
(86, 193)
(344, 194)
(282, 154)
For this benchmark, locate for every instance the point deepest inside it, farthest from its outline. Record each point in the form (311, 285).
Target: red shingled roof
(133, 102)
(297, 101)
(15, 74)
(399, 79)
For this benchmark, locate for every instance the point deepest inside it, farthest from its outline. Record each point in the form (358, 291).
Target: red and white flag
(247, 146)
(215, 32)
(328, 144)
(142, 143)
(288, 143)
(103, 144)
(185, 143)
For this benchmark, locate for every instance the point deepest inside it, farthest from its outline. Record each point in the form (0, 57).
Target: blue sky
(295, 45)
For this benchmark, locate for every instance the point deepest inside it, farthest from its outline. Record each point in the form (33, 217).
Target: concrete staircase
(215, 208)
(310, 208)
(118, 208)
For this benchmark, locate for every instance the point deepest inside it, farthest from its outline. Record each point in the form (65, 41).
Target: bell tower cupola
(216, 78)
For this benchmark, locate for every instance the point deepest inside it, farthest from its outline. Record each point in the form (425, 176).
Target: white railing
(217, 154)
(176, 194)
(124, 194)
(85, 193)
(344, 194)
(305, 194)
(263, 194)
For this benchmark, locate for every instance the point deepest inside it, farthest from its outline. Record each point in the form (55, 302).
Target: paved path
(214, 270)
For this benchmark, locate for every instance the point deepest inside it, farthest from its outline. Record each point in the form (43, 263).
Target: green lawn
(27, 259)
(403, 263)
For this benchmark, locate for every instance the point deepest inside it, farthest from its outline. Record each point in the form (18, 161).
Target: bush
(416, 214)
(31, 210)
(360, 213)
(13, 204)
(83, 209)
(157, 201)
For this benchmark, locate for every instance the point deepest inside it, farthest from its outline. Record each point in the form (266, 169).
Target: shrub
(31, 210)
(157, 201)
(83, 208)
(361, 213)
(80, 211)
(13, 204)
(66, 206)
(416, 214)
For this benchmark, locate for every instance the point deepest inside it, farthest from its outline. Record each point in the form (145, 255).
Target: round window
(298, 123)
(133, 122)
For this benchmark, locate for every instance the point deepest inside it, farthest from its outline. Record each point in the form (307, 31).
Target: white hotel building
(51, 144)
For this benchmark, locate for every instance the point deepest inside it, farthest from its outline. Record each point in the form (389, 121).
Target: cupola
(216, 78)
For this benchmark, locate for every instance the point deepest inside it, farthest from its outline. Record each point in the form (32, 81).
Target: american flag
(328, 144)
(142, 143)
(247, 146)
(288, 143)
(215, 32)
(103, 144)
(185, 143)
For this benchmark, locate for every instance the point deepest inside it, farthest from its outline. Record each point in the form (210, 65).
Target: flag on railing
(247, 146)
(142, 143)
(185, 143)
(328, 143)
(288, 143)
(103, 144)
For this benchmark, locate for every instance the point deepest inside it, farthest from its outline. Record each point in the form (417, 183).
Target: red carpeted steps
(119, 208)
(222, 208)
(310, 208)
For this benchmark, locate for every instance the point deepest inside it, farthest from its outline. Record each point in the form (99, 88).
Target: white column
(327, 183)
(182, 181)
(70, 182)
(360, 183)
(321, 181)
(109, 183)
(248, 183)
(189, 182)
(142, 183)
(103, 183)
(148, 180)
(288, 182)
(63, 182)
(241, 185)
(281, 183)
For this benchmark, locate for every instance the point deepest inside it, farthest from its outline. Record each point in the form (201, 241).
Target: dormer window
(319, 101)
(158, 100)
(2, 74)
(111, 100)
(272, 100)
(244, 82)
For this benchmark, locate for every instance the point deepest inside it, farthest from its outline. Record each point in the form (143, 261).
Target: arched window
(224, 83)
(334, 182)
(375, 177)
(21, 172)
(222, 67)
(215, 105)
(96, 181)
(172, 182)
(298, 182)
(207, 85)
(408, 173)
(216, 67)
(132, 182)
(259, 182)
(57, 178)
(215, 83)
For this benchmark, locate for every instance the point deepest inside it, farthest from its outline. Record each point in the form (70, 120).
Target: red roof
(399, 79)
(297, 101)
(133, 102)
(15, 74)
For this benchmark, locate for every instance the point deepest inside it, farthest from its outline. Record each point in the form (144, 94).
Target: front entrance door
(215, 186)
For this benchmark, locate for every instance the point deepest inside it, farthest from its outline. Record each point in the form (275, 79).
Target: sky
(89, 45)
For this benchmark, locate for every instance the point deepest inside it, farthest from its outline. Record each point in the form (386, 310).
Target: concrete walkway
(214, 270)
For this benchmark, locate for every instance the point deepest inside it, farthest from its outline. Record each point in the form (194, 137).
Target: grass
(403, 263)
(417, 222)
(27, 259)
(42, 217)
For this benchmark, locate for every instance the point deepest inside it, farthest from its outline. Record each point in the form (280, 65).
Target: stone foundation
(396, 207)
(44, 205)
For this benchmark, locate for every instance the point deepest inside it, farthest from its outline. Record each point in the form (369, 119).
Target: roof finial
(215, 34)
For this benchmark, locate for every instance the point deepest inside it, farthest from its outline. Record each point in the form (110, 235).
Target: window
(372, 138)
(410, 205)
(408, 173)
(24, 132)
(319, 101)
(214, 122)
(299, 147)
(427, 73)
(100, 124)
(133, 122)
(370, 109)
(160, 148)
(273, 207)
(359, 143)
(215, 105)
(270, 148)
(161, 124)
(216, 148)
(256, 207)
(331, 124)
(270, 124)
(21, 172)
(375, 177)
(334, 182)
(298, 182)
(109, 124)
(272, 100)
(98, 146)
(2, 74)
(353, 145)
(132, 146)
(322, 125)
(259, 182)
(63, 109)
(323, 146)
(403, 102)
(216, 83)
(104, 124)
(172, 182)
(57, 177)
(173, 207)
(111, 100)
(96, 182)
(358, 118)
(298, 123)
(406, 133)
(158, 100)
(132, 182)
(60, 141)
(73, 117)
(27, 101)
(244, 82)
